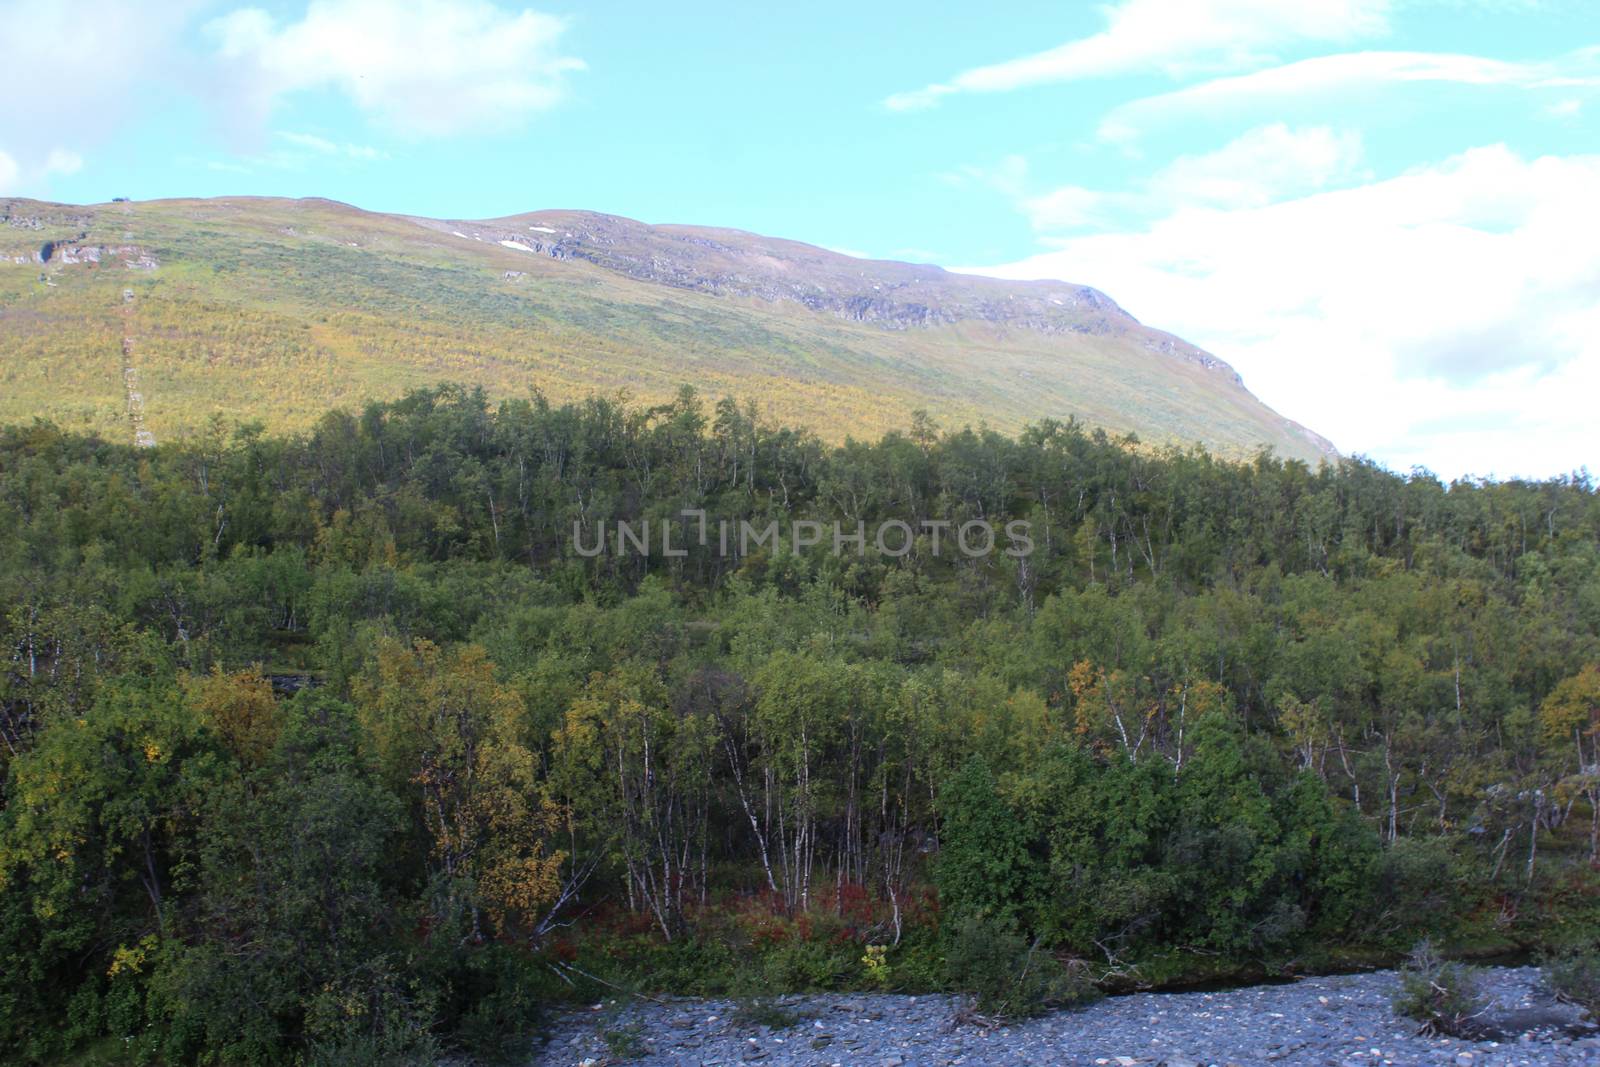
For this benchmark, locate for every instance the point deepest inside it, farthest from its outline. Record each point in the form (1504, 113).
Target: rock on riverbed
(1341, 1021)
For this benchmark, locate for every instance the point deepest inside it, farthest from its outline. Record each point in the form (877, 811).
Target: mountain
(274, 309)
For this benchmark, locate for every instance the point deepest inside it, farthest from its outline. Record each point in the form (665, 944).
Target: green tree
(986, 865)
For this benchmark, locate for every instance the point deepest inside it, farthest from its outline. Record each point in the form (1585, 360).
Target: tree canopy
(334, 742)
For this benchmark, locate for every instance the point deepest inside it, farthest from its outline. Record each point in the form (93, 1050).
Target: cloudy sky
(1384, 213)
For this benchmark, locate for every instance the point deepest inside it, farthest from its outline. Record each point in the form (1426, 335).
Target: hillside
(276, 309)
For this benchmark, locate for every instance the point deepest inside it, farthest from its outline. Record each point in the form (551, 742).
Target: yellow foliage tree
(1108, 708)
(1570, 715)
(447, 729)
(239, 708)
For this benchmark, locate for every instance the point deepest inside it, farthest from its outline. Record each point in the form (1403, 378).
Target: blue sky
(1383, 213)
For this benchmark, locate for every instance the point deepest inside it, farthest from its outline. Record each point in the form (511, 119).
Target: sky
(1385, 214)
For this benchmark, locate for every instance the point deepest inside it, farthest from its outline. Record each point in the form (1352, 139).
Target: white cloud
(1071, 207)
(323, 146)
(1170, 36)
(311, 141)
(427, 67)
(1448, 317)
(303, 151)
(1261, 166)
(61, 161)
(80, 67)
(19, 177)
(1009, 176)
(1337, 77)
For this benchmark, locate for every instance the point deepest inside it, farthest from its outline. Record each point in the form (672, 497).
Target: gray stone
(1337, 1020)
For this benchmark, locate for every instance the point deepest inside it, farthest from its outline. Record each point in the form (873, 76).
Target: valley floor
(1342, 1021)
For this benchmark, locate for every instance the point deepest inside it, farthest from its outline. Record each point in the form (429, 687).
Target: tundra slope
(273, 309)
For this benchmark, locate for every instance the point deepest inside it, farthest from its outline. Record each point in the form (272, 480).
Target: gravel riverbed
(1341, 1020)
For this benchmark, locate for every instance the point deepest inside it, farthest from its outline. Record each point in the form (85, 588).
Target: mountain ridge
(1047, 307)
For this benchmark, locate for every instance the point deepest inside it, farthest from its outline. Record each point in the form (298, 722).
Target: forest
(330, 748)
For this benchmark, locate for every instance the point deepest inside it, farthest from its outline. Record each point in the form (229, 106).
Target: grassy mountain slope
(277, 309)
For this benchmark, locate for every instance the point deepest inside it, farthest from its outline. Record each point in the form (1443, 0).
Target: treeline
(334, 747)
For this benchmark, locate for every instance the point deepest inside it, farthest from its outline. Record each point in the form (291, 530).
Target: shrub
(1419, 885)
(375, 1017)
(1575, 976)
(625, 1043)
(876, 961)
(807, 966)
(985, 866)
(917, 963)
(1003, 974)
(702, 964)
(761, 1012)
(1439, 994)
(497, 996)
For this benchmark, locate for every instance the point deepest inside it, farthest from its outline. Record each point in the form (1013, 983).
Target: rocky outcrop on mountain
(64, 237)
(888, 294)
(35, 215)
(132, 257)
